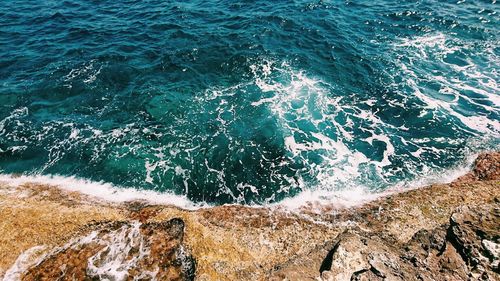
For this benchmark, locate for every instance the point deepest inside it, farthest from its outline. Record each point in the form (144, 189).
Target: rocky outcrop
(475, 234)
(440, 232)
(118, 250)
(486, 167)
(465, 248)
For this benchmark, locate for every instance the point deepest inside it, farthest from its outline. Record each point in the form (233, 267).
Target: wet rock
(440, 232)
(141, 211)
(120, 251)
(486, 167)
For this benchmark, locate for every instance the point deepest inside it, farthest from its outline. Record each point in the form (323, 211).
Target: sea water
(249, 102)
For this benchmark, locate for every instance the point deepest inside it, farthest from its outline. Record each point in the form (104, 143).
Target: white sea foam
(433, 48)
(342, 198)
(88, 72)
(423, 43)
(113, 262)
(106, 191)
(347, 197)
(356, 196)
(23, 262)
(297, 98)
(294, 98)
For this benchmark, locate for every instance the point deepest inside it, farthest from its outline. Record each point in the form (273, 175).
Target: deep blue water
(247, 101)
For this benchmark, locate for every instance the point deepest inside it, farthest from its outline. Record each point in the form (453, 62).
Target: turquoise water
(247, 101)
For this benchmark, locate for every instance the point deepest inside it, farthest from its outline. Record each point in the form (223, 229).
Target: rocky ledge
(440, 232)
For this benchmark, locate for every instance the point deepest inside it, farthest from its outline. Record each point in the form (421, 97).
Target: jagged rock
(431, 256)
(492, 250)
(475, 233)
(346, 257)
(486, 167)
(360, 255)
(120, 251)
(467, 247)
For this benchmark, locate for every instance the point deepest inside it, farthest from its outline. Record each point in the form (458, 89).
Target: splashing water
(248, 102)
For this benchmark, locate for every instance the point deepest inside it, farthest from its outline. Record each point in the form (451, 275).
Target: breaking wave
(266, 109)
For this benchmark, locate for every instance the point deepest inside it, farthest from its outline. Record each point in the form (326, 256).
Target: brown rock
(475, 233)
(120, 251)
(467, 247)
(414, 235)
(486, 167)
(360, 255)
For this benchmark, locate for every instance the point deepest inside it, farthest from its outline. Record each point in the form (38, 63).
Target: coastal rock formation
(486, 167)
(467, 247)
(118, 250)
(440, 232)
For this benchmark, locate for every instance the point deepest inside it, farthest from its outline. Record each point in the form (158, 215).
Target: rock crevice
(464, 248)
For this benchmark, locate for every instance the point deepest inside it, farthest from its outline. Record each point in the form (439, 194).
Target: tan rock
(440, 232)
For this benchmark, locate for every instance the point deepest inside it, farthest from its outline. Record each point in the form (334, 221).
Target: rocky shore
(440, 232)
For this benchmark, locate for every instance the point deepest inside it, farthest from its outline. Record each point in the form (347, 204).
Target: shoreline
(232, 241)
(109, 192)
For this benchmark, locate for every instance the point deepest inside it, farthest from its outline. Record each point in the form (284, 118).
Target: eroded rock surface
(119, 251)
(446, 232)
(440, 232)
(464, 249)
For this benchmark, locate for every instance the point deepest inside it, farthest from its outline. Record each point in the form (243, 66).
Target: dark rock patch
(120, 251)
